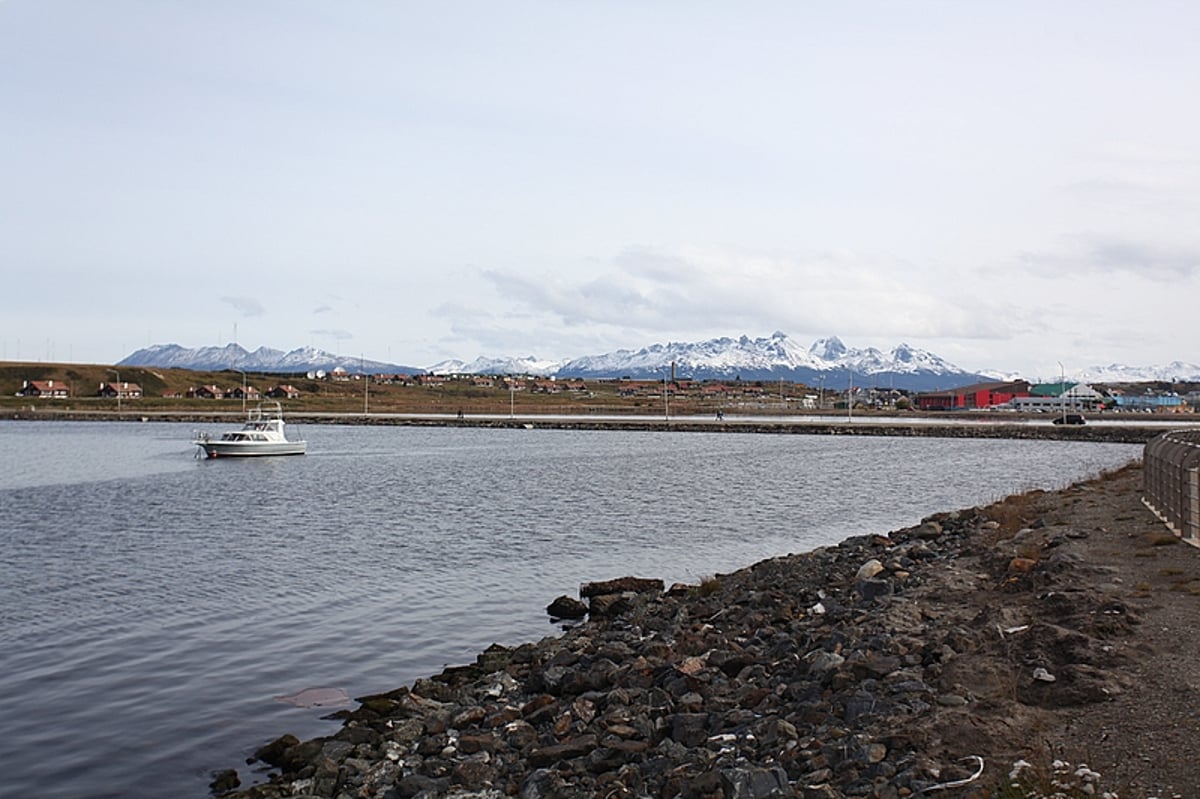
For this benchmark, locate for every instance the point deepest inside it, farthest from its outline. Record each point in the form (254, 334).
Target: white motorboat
(262, 434)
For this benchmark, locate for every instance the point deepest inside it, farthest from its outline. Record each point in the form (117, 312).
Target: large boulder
(620, 585)
(565, 607)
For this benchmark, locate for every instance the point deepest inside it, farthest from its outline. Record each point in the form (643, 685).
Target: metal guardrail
(1171, 482)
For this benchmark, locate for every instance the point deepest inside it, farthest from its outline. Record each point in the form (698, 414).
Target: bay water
(154, 607)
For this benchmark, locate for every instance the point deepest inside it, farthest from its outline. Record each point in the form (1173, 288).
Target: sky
(1014, 186)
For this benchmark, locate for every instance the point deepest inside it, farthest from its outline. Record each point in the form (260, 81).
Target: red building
(980, 395)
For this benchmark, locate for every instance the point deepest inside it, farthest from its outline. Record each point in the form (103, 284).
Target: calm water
(152, 605)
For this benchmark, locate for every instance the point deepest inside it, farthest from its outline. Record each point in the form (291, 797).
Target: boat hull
(250, 449)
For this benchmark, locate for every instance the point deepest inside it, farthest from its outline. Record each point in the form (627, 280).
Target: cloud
(650, 293)
(1088, 254)
(337, 334)
(322, 309)
(247, 305)
(1154, 262)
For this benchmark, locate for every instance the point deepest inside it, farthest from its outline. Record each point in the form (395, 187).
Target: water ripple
(159, 603)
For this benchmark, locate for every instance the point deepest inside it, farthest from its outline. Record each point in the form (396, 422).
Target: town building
(1060, 397)
(284, 391)
(973, 397)
(44, 389)
(122, 390)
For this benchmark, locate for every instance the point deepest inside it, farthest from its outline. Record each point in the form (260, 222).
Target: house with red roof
(44, 389)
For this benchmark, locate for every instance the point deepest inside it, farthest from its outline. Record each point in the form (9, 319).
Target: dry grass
(1014, 513)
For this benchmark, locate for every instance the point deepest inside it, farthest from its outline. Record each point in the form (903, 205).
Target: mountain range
(827, 361)
(777, 357)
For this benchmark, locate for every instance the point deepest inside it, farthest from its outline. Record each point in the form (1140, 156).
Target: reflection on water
(154, 605)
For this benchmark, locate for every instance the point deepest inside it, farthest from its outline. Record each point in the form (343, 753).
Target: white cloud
(248, 306)
(1092, 254)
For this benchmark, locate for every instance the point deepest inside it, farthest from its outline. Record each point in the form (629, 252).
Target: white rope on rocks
(965, 781)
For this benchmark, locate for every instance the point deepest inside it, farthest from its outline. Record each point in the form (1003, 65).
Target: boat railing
(264, 411)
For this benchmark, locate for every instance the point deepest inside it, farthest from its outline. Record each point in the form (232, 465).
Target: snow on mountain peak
(828, 349)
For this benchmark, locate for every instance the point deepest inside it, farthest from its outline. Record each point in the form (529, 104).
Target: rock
(224, 781)
(928, 531)
(869, 569)
(754, 783)
(870, 590)
(565, 607)
(689, 729)
(273, 753)
(413, 784)
(1042, 675)
(549, 755)
(607, 605)
(638, 585)
(821, 662)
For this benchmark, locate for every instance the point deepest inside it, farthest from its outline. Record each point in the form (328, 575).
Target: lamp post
(512, 398)
(666, 397)
(850, 399)
(243, 374)
(118, 374)
(1062, 385)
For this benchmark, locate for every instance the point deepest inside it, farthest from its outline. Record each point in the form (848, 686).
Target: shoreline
(876, 667)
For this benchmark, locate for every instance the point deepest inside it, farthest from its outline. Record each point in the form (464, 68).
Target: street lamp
(1062, 386)
(118, 374)
(666, 397)
(850, 399)
(243, 374)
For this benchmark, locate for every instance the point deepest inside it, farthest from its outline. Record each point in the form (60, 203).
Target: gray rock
(565, 607)
(754, 783)
(621, 585)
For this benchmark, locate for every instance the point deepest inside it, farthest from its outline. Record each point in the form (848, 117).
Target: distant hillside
(263, 359)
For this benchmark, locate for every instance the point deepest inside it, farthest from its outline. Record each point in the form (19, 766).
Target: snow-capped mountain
(776, 357)
(263, 359)
(528, 365)
(1174, 372)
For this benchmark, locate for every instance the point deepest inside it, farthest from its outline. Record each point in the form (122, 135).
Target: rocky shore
(925, 662)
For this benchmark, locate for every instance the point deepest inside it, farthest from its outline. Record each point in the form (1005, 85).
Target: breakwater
(923, 427)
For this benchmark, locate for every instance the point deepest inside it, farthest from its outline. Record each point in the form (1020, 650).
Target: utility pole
(1062, 395)
(850, 400)
(118, 374)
